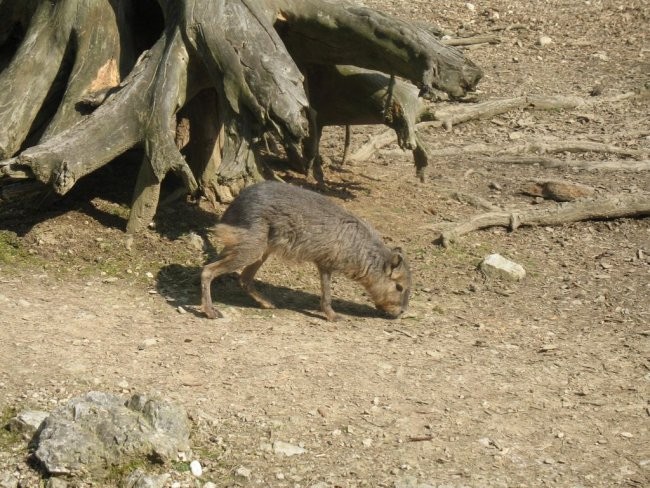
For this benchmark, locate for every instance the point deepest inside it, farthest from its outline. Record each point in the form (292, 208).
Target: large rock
(99, 430)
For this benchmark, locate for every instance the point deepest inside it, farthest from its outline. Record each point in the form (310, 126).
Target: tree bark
(81, 110)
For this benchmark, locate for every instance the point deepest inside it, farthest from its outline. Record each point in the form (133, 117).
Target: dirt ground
(543, 382)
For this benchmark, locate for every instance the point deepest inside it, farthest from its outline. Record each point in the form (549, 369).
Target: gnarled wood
(613, 207)
(84, 112)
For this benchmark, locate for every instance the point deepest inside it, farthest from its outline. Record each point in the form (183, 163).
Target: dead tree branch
(613, 207)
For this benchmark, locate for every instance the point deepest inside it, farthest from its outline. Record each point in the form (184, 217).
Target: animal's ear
(396, 258)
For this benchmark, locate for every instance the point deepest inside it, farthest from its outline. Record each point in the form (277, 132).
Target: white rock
(287, 449)
(7, 480)
(147, 343)
(210, 484)
(497, 266)
(544, 41)
(196, 241)
(196, 469)
(243, 472)
(470, 6)
(27, 421)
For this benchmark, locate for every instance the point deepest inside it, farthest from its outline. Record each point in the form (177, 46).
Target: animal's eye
(399, 287)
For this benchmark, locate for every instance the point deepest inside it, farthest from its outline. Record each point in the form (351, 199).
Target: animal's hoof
(213, 313)
(333, 317)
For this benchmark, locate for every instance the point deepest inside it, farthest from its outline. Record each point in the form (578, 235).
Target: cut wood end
(558, 190)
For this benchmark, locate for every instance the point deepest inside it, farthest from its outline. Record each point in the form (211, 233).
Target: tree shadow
(181, 286)
(113, 184)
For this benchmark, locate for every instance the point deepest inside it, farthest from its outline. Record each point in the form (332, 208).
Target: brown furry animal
(300, 225)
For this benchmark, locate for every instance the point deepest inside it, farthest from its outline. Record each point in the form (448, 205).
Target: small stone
(544, 41)
(55, 482)
(210, 484)
(7, 480)
(549, 461)
(406, 482)
(279, 476)
(147, 343)
(196, 469)
(140, 479)
(470, 6)
(485, 441)
(196, 241)
(149, 274)
(495, 186)
(367, 442)
(287, 449)
(627, 435)
(547, 347)
(596, 91)
(27, 422)
(320, 484)
(497, 266)
(181, 310)
(243, 472)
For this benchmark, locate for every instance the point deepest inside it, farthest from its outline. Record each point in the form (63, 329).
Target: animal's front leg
(326, 295)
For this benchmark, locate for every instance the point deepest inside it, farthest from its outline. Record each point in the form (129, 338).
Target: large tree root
(249, 53)
(613, 207)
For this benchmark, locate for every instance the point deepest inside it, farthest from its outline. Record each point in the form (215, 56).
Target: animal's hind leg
(231, 259)
(225, 263)
(247, 284)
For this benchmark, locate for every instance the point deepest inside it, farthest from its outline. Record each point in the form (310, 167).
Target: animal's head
(390, 290)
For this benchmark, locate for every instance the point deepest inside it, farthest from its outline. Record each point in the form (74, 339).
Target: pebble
(196, 469)
(287, 449)
(196, 241)
(367, 442)
(243, 472)
(544, 41)
(210, 484)
(7, 480)
(147, 343)
(55, 482)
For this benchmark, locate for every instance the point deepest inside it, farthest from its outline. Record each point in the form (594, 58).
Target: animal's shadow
(180, 285)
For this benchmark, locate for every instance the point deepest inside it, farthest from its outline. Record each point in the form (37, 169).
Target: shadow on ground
(180, 285)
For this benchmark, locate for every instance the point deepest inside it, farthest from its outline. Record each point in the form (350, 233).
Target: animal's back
(303, 225)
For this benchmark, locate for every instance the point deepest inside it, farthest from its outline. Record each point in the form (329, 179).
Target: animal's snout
(392, 313)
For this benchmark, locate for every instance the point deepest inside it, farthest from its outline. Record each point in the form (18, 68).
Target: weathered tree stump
(83, 81)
